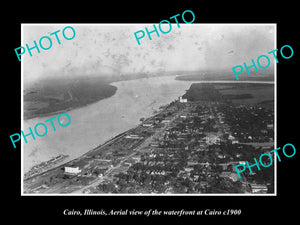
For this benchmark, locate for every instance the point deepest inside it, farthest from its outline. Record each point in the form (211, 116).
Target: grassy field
(262, 94)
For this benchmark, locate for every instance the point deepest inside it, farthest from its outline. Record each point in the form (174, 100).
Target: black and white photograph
(148, 113)
(166, 116)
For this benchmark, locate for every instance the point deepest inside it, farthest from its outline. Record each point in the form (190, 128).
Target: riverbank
(227, 77)
(48, 97)
(98, 122)
(105, 159)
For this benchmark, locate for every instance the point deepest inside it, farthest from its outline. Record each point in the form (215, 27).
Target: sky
(110, 49)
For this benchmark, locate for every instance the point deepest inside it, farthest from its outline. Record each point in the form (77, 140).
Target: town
(189, 146)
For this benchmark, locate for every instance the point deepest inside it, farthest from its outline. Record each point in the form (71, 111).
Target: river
(98, 122)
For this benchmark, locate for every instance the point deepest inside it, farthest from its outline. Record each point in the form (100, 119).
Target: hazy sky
(113, 49)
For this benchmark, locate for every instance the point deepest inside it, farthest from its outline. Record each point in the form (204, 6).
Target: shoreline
(98, 147)
(196, 81)
(228, 81)
(67, 109)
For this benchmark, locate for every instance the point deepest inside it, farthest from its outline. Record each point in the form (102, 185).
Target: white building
(147, 125)
(133, 136)
(259, 188)
(73, 170)
(182, 100)
(166, 121)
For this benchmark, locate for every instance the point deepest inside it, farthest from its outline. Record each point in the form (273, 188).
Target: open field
(241, 93)
(262, 94)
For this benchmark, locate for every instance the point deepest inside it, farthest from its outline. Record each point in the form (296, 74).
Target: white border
(140, 24)
(22, 154)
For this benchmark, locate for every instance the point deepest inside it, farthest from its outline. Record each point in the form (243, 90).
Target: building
(127, 164)
(72, 170)
(188, 169)
(133, 136)
(220, 156)
(259, 188)
(149, 124)
(182, 100)
(166, 121)
(154, 144)
(136, 159)
(230, 137)
(192, 163)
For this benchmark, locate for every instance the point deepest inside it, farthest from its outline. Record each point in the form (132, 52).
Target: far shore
(179, 78)
(77, 105)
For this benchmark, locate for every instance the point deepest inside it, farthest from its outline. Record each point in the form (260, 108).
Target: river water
(98, 122)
